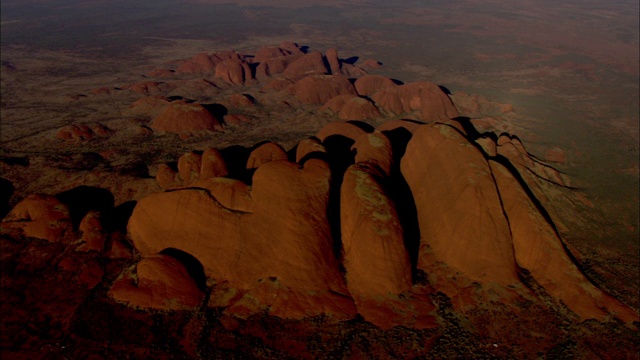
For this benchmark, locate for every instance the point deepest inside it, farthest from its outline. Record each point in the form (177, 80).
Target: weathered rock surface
(286, 228)
(374, 149)
(375, 259)
(539, 250)
(468, 235)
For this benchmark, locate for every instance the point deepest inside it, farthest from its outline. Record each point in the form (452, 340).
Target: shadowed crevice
(235, 157)
(340, 157)
(191, 263)
(83, 199)
(117, 218)
(400, 194)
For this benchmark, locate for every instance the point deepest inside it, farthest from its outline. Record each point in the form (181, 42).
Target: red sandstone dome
(318, 89)
(182, 117)
(426, 98)
(368, 85)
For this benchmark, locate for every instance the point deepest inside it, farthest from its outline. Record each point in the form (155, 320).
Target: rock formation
(318, 89)
(39, 216)
(182, 117)
(406, 220)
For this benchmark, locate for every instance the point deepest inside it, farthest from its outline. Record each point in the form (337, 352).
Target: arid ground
(562, 77)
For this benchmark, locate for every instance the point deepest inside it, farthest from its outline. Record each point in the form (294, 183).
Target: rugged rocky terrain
(290, 203)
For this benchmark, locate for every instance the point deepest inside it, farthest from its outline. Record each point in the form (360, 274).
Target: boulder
(375, 259)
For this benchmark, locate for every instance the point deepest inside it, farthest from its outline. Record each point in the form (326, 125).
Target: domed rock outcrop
(539, 250)
(318, 89)
(431, 103)
(83, 132)
(308, 64)
(307, 147)
(346, 129)
(463, 229)
(350, 107)
(151, 106)
(40, 216)
(241, 100)
(368, 85)
(358, 108)
(199, 63)
(286, 227)
(234, 72)
(265, 153)
(184, 117)
(160, 282)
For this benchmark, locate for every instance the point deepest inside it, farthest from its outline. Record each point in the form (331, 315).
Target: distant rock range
(286, 73)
